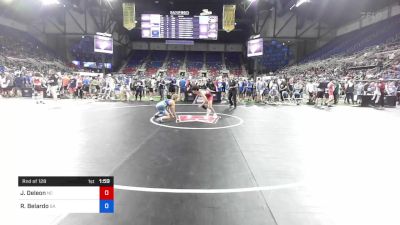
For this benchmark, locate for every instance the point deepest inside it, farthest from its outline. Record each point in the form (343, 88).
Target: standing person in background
(376, 92)
(210, 85)
(125, 89)
(79, 90)
(110, 87)
(72, 86)
(381, 87)
(152, 89)
(86, 86)
(349, 88)
(219, 87)
(94, 87)
(112, 83)
(241, 88)
(359, 91)
(331, 91)
(37, 88)
(319, 100)
(65, 83)
(232, 93)
(260, 87)
(224, 88)
(139, 89)
(290, 87)
(311, 92)
(172, 87)
(249, 90)
(336, 93)
(189, 84)
(182, 88)
(18, 81)
(147, 83)
(161, 87)
(132, 84)
(53, 82)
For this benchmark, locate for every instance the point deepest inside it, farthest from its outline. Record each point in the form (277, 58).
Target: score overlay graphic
(66, 194)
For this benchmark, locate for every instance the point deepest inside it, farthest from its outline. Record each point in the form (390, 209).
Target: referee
(232, 93)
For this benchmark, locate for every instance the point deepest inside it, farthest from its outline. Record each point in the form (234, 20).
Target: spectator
(139, 89)
(53, 85)
(349, 88)
(232, 93)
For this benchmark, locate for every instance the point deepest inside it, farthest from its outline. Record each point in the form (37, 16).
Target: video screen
(103, 44)
(108, 65)
(255, 47)
(91, 65)
(76, 63)
(179, 27)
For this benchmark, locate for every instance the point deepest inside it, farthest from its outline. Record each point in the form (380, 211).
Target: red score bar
(107, 193)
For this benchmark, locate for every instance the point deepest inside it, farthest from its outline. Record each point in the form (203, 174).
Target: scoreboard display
(66, 194)
(179, 26)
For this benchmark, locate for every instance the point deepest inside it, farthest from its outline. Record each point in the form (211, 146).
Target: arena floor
(285, 165)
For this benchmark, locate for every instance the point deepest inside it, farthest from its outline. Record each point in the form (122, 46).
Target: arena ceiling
(333, 13)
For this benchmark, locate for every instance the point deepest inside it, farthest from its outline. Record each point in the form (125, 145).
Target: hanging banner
(229, 18)
(128, 10)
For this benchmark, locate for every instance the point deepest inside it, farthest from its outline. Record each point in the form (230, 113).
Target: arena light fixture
(6, 1)
(250, 2)
(50, 2)
(109, 3)
(299, 3)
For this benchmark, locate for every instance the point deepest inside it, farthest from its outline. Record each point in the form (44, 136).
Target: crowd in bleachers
(19, 49)
(386, 31)
(21, 57)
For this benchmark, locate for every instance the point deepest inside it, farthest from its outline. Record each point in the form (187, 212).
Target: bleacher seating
(375, 34)
(233, 63)
(175, 61)
(135, 61)
(276, 55)
(19, 48)
(155, 62)
(194, 62)
(214, 62)
(370, 63)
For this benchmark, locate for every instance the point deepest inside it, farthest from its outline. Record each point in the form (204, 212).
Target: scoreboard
(66, 194)
(179, 26)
